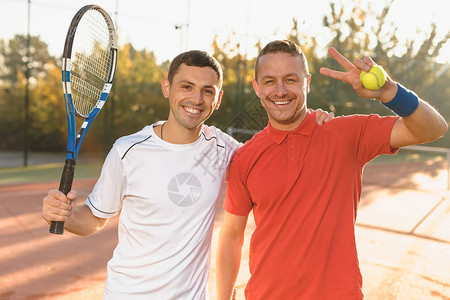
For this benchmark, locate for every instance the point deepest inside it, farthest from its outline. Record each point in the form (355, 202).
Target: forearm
(83, 222)
(420, 124)
(426, 124)
(228, 262)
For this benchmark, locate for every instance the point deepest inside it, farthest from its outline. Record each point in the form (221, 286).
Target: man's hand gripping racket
(88, 68)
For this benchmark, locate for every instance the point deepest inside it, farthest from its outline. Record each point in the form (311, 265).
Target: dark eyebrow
(185, 81)
(191, 83)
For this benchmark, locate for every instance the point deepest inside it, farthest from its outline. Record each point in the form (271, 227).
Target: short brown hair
(283, 46)
(195, 58)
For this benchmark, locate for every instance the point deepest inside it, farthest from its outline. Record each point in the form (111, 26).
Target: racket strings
(91, 60)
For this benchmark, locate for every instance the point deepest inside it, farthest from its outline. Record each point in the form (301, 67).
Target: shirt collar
(305, 128)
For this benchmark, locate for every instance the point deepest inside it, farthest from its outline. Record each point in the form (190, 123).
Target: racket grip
(65, 185)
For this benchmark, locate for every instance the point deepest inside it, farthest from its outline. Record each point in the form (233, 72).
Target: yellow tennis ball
(374, 79)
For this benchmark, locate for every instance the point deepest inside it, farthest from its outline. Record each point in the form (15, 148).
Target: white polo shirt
(167, 194)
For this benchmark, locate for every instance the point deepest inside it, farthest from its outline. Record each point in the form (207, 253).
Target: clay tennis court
(403, 237)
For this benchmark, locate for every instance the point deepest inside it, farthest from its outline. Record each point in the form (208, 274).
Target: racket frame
(75, 139)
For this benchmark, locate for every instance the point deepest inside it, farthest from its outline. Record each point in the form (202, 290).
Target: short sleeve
(237, 200)
(105, 201)
(375, 136)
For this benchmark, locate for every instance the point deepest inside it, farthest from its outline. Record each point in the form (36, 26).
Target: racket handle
(65, 185)
(57, 227)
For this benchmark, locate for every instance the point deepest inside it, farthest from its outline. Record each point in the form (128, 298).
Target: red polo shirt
(304, 187)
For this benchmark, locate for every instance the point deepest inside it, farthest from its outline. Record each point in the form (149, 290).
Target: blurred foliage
(136, 100)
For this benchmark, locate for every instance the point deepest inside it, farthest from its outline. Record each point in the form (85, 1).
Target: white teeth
(192, 110)
(281, 103)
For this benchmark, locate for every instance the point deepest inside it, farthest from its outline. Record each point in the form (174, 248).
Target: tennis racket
(88, 67)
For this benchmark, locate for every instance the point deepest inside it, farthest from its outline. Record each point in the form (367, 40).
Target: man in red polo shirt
(303, 181)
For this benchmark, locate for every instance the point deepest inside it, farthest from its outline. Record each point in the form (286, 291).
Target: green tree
(239, 98)
(358, 30)
(15, 64)
(49, 130)
(16, 60)
(135, 99)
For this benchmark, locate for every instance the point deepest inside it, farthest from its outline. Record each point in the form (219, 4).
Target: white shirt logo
(184, 189)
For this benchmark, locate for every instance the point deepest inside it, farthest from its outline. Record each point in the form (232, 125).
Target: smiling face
(193, 95)
(282, 84)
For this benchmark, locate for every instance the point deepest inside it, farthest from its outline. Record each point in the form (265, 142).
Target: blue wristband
(404, 103)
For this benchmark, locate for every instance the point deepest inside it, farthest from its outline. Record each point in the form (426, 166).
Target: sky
(169, 27)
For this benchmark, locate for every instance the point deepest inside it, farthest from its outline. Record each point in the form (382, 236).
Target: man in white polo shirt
(165, 180)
